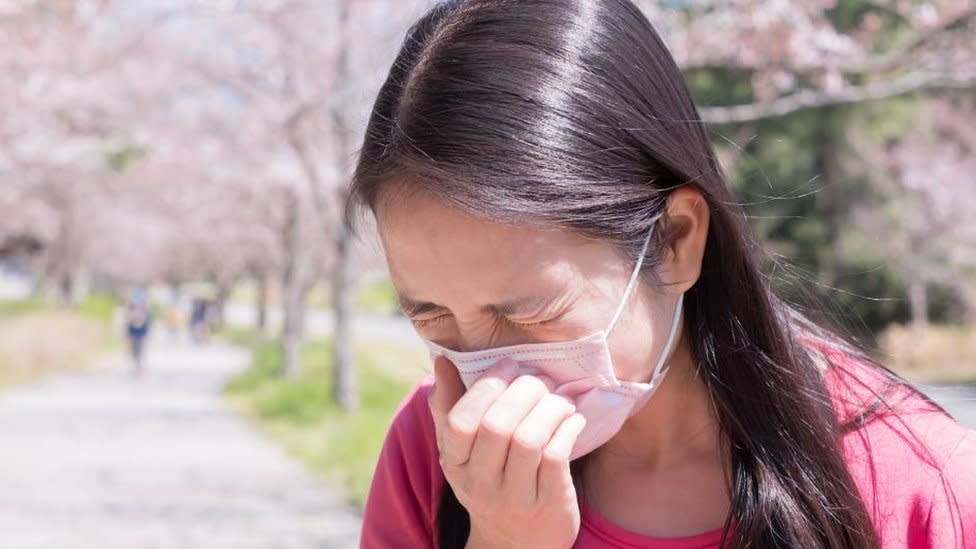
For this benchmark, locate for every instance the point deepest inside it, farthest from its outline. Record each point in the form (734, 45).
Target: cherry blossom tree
(921, 213)
(797, 57)
(180, 140)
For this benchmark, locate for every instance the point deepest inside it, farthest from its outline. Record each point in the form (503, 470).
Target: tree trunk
(828, 194)
(223, 292)
(42, 284)
(64, 290)
(967, 304)
(344, 384)
(80, 285)
(918, 301)
(295, 289)
(262, 303)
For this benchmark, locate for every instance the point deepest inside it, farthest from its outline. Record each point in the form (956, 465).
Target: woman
(138, 321)
(523, 160)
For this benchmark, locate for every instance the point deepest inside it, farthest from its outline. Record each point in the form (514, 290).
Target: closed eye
(427, 321)
(431, 321)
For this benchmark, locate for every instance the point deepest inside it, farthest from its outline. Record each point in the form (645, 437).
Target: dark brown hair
(573, 113)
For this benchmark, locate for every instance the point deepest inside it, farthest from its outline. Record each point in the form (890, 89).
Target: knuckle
(554, 456)
(458, 424)
(530, 384)
(525, 442)
(489, 384)
(559, 403)
(495, 426)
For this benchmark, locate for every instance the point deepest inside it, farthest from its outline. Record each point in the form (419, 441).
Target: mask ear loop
(675, 318)
(633, 275)
(678, 308)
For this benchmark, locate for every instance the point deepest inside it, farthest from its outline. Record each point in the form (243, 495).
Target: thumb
(448, 387)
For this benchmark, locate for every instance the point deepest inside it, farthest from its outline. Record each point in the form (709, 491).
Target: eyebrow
(535, 303)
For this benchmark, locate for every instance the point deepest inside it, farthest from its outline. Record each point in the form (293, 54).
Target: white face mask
(581, 370)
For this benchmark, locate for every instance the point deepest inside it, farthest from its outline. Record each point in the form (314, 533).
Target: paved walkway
(958, 400)
(102, 460)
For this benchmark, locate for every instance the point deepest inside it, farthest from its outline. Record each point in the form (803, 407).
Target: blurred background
(196, 352)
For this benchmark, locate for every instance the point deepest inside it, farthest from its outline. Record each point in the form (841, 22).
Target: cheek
(637, 345)
(632, 354)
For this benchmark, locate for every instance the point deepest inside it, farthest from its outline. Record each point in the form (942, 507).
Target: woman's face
(470, 284)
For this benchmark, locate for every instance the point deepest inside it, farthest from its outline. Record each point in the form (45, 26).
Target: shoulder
(913, 464)
(411, 432)
(952, 511)
(405, 489)
(412, 415)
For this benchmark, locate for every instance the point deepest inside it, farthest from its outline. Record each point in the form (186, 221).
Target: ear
(688, 215)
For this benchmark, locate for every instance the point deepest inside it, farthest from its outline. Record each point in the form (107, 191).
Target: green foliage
(801, 180)
(300, 413)
(20, 306)
(840, 279)
(717, 87)
(266, 365)
(378, 296)
(119, 160)
(98, 307)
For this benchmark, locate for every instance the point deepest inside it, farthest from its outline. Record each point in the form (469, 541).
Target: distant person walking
(175, 320)
(200, 320)
(138, 321)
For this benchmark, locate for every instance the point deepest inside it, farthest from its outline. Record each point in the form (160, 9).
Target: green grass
(378, 296)
(98, 307)
(20, 306)
(300, 415)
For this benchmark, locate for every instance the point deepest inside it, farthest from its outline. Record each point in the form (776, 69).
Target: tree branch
(897, 57)
(878, 63)
(806, 99)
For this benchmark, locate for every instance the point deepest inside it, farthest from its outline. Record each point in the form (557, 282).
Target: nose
(483, 337)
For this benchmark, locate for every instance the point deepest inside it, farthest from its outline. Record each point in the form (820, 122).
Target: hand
(504, 449)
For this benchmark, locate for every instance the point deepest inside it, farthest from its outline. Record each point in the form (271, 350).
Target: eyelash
(435, 320)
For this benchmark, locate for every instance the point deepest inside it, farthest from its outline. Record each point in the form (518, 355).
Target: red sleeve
(915, 467)
(403, 496)
(951, 519)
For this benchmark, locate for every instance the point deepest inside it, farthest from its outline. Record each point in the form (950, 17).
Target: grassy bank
(299, 413)
(934, 354)
(37, 339)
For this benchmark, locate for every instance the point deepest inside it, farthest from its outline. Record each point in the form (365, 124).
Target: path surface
(102, 460)
(958, 400)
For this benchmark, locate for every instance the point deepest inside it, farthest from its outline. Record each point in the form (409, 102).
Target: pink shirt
(917, 498)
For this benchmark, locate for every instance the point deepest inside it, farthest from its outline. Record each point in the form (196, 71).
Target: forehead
(435, 251)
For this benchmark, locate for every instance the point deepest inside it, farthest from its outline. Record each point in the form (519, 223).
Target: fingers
(491, 444)
(554, 477)
(459, 424)
(446, 391)
(528, 442)
(448, 386)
